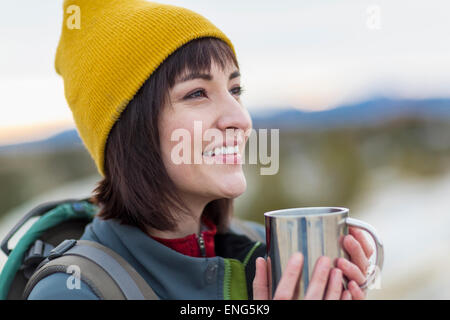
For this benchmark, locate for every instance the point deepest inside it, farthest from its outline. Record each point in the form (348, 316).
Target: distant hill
(371, 112)
(67, 139)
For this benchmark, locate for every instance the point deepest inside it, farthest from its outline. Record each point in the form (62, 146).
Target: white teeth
(223, 150)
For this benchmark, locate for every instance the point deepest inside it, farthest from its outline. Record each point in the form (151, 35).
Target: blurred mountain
(68, 139)
(368, 113)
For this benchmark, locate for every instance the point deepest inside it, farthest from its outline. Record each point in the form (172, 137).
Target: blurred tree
(27, 174)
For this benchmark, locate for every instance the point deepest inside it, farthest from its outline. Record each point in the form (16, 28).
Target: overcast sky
(307, 54)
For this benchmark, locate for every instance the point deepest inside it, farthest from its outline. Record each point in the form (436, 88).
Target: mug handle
(374, 269)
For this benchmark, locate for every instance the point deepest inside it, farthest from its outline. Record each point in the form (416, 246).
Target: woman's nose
(234, 115)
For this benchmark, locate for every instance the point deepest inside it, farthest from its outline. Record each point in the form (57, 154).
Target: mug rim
(309, 211)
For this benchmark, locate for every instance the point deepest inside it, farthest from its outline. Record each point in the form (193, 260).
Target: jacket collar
(171, 275)
(190, 244)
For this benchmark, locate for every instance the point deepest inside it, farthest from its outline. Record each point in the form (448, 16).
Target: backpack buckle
(41, 252)
(38, 251)
(61, 248)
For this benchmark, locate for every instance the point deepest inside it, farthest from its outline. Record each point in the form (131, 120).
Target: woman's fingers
(351, 271)
(356, 291)
(334, 288)
(260, 286)
(326, 282)
(356, 252)
(288, 284)
(346, 295)
(363, 241)
(319, 279)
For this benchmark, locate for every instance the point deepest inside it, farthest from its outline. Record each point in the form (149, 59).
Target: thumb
(260, 287)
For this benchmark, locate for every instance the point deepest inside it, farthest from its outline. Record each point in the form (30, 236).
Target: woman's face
(199, 108)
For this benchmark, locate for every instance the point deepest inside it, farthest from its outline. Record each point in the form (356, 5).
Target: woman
(137, 73)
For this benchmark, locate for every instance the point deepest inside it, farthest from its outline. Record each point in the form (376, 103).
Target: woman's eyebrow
(206, 76)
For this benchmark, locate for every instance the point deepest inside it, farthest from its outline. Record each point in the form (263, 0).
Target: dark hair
(136, 188)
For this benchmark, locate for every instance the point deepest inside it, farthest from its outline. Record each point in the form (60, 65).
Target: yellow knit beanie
(109, 48)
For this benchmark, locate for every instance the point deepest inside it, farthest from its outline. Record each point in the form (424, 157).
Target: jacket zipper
(201, 244)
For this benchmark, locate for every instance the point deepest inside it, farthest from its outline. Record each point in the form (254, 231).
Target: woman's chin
(232, 187)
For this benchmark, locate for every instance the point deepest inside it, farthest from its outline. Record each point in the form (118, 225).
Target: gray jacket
(171, 275)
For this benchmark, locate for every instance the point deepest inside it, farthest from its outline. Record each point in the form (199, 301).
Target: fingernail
(337, 271)
(326, 261)
(340, 261)
(260, 259)
(297, 258)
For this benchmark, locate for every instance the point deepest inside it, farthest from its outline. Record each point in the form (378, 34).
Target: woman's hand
(359, 249)
(326, 282)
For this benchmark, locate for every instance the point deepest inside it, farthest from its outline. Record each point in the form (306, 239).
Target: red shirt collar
(189, 245)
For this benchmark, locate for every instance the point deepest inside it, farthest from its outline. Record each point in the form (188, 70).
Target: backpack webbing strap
(106, 272)
(103, 286)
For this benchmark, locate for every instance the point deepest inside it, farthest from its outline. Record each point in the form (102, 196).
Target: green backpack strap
(108, 275)
(57, 221)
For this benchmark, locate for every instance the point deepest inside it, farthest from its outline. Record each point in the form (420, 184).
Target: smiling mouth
(221, 151)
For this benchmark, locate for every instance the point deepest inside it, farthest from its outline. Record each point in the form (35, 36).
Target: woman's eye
(238, 90)
(198, 94)
(194, 95)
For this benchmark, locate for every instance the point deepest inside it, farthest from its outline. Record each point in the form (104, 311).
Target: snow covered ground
(412, 216)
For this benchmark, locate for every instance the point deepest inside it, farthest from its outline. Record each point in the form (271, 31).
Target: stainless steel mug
(314, 231)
